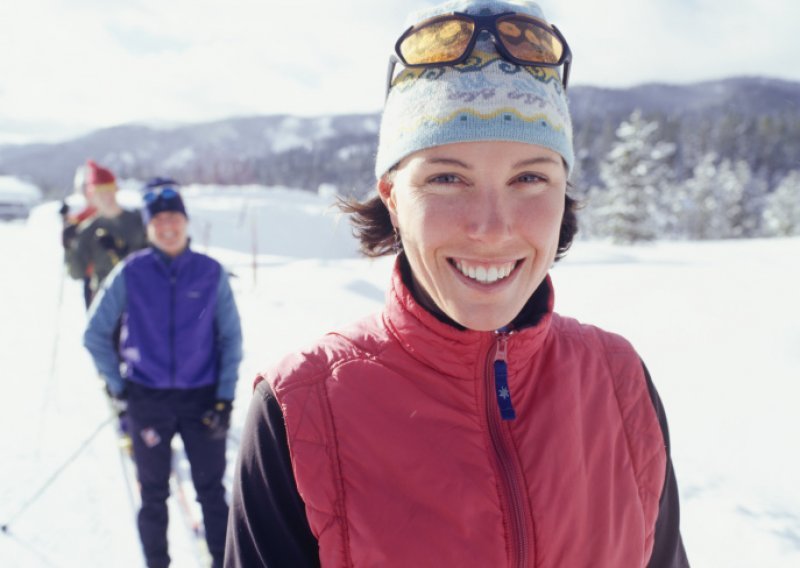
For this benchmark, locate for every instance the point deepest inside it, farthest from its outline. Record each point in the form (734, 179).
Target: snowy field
(717, 323)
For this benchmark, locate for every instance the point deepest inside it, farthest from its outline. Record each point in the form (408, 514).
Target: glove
(119, 406)
(68, 235)
(107, 240)
(118, 402)
(218, 419)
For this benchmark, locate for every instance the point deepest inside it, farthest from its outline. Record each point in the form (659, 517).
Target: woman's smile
(484, 272)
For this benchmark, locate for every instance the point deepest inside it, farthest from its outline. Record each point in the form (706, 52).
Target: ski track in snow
(718, 324)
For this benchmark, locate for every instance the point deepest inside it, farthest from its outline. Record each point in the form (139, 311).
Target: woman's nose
(489, 216)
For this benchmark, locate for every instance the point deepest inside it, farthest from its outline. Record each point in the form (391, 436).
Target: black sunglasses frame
(488, 24)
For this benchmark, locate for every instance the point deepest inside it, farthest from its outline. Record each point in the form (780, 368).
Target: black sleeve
(668, 551)
(267, 524)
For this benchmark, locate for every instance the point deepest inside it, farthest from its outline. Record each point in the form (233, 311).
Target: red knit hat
(98, 175)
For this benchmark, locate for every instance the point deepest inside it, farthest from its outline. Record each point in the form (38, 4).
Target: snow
(717, 322)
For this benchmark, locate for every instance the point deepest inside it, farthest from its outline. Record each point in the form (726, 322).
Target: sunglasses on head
(449, 40)
(160, 192)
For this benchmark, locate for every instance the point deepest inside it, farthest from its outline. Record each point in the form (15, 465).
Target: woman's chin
(489, 318)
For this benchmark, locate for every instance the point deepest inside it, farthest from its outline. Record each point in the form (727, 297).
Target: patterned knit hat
(161, 194)
(484, 98)
(97, 175)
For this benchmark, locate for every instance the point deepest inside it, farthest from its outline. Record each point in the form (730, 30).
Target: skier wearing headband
(467, 424)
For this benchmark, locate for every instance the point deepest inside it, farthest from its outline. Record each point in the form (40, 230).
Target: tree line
(641, 193)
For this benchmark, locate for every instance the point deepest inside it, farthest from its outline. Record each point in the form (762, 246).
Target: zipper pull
(501, 378)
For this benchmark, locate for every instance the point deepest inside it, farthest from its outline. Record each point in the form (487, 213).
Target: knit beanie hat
(484, 98)
(97, 175)
(161, 194)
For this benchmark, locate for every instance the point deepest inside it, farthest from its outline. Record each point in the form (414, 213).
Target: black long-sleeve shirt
(268, 524)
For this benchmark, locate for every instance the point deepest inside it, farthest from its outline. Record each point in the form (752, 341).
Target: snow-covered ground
(718, 324)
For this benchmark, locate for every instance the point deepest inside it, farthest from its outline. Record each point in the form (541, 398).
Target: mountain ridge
(736, 117)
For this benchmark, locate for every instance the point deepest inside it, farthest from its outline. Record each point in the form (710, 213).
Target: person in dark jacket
(73, 218)
(467, 424)
(95, 245)
(180, 349)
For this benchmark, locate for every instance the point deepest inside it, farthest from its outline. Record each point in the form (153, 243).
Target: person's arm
(77, 254)
(267, 524)
(668, 550)
(135, 235)
(229, 339)
(103, 317)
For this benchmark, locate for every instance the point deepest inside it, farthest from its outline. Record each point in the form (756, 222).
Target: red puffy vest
(402, 457)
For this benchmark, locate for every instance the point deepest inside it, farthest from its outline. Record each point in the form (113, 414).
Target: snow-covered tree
(636, 177)
(732, 180)
(699, 216)
(782, 211)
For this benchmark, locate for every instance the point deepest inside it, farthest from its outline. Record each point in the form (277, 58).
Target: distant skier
(71, 220)
(181, 347)
(105, 238)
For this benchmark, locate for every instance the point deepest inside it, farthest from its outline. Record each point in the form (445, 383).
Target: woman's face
(480, 224)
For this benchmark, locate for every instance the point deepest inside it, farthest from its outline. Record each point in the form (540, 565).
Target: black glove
(68, 235)
(107, 241)
(64, 209)
(119, 406)
(218, 419)
(118, 402)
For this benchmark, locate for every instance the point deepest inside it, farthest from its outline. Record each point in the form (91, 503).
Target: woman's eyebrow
(536, 161)
(448, 161)
(527, 162)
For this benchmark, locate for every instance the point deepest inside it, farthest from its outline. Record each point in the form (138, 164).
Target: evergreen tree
(699, 218)
(732, 178)
(636, 177)
(782, 211)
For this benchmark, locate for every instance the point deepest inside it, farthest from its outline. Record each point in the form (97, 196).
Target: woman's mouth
(485, 273)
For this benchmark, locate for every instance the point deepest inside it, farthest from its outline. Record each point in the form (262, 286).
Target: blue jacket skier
(176, 365)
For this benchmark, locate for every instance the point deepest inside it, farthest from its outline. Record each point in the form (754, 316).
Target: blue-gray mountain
(752, 119)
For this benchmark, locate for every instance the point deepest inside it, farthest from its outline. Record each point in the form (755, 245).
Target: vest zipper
(499, 409)
(172, 328)
(500, 367)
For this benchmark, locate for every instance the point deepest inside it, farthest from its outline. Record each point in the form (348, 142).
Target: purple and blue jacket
(180, 328)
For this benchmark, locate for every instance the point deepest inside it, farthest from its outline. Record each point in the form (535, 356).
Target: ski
(125, 448)
(180, 480)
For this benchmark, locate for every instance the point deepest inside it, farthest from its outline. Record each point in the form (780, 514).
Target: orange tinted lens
(528, 40)
(439, 41)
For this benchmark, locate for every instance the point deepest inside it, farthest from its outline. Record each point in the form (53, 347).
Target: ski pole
(56, 473)
(48, 390)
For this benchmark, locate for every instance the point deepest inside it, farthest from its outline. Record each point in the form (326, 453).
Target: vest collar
(453, 350)
(172, 262)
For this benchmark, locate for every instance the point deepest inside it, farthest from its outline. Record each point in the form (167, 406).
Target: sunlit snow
(718, 324)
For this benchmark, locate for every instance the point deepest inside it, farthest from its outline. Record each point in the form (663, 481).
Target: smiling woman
(467, 424)
(480, 225)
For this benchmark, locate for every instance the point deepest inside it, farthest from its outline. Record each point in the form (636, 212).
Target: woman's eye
(444, 179)
(530, 178)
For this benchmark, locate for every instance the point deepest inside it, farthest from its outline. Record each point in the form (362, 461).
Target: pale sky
(71, 66)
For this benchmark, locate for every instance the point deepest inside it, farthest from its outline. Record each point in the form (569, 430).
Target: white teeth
(485, 275)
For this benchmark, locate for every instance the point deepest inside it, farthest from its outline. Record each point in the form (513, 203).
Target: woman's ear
(386, 193)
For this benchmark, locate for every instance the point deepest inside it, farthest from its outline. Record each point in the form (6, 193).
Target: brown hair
(372, 225)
